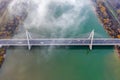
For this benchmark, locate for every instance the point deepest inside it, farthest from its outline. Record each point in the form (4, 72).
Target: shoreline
(107, 18)
(8, 26)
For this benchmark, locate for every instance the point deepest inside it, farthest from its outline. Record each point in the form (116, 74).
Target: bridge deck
(41, 42)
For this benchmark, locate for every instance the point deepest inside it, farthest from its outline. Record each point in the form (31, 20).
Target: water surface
(64, 63)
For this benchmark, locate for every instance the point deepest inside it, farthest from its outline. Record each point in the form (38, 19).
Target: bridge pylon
(91, 37)
(28, 39)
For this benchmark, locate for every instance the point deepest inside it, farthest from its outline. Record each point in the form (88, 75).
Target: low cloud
(51, 14)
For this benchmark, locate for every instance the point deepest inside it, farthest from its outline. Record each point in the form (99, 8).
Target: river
(63, 63)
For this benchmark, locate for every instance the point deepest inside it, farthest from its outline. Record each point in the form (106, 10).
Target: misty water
(61, 19)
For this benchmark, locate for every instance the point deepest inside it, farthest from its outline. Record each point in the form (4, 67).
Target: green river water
(64, 63)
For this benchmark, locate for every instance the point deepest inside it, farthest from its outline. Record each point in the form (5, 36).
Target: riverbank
(8, 25)
(108, 19)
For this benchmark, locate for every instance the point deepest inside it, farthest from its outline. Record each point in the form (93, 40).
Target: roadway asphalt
(40, 42)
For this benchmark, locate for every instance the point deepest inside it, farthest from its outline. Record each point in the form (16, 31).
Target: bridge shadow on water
(69, 47)
(75, 47)
(81, 49)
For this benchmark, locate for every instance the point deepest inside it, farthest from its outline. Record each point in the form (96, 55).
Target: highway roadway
(59, 42)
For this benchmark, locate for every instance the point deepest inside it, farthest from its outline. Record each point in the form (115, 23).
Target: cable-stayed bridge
(91, 41)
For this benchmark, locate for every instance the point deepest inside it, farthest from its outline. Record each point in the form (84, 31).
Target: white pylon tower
(28, 39)
(91, 37)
